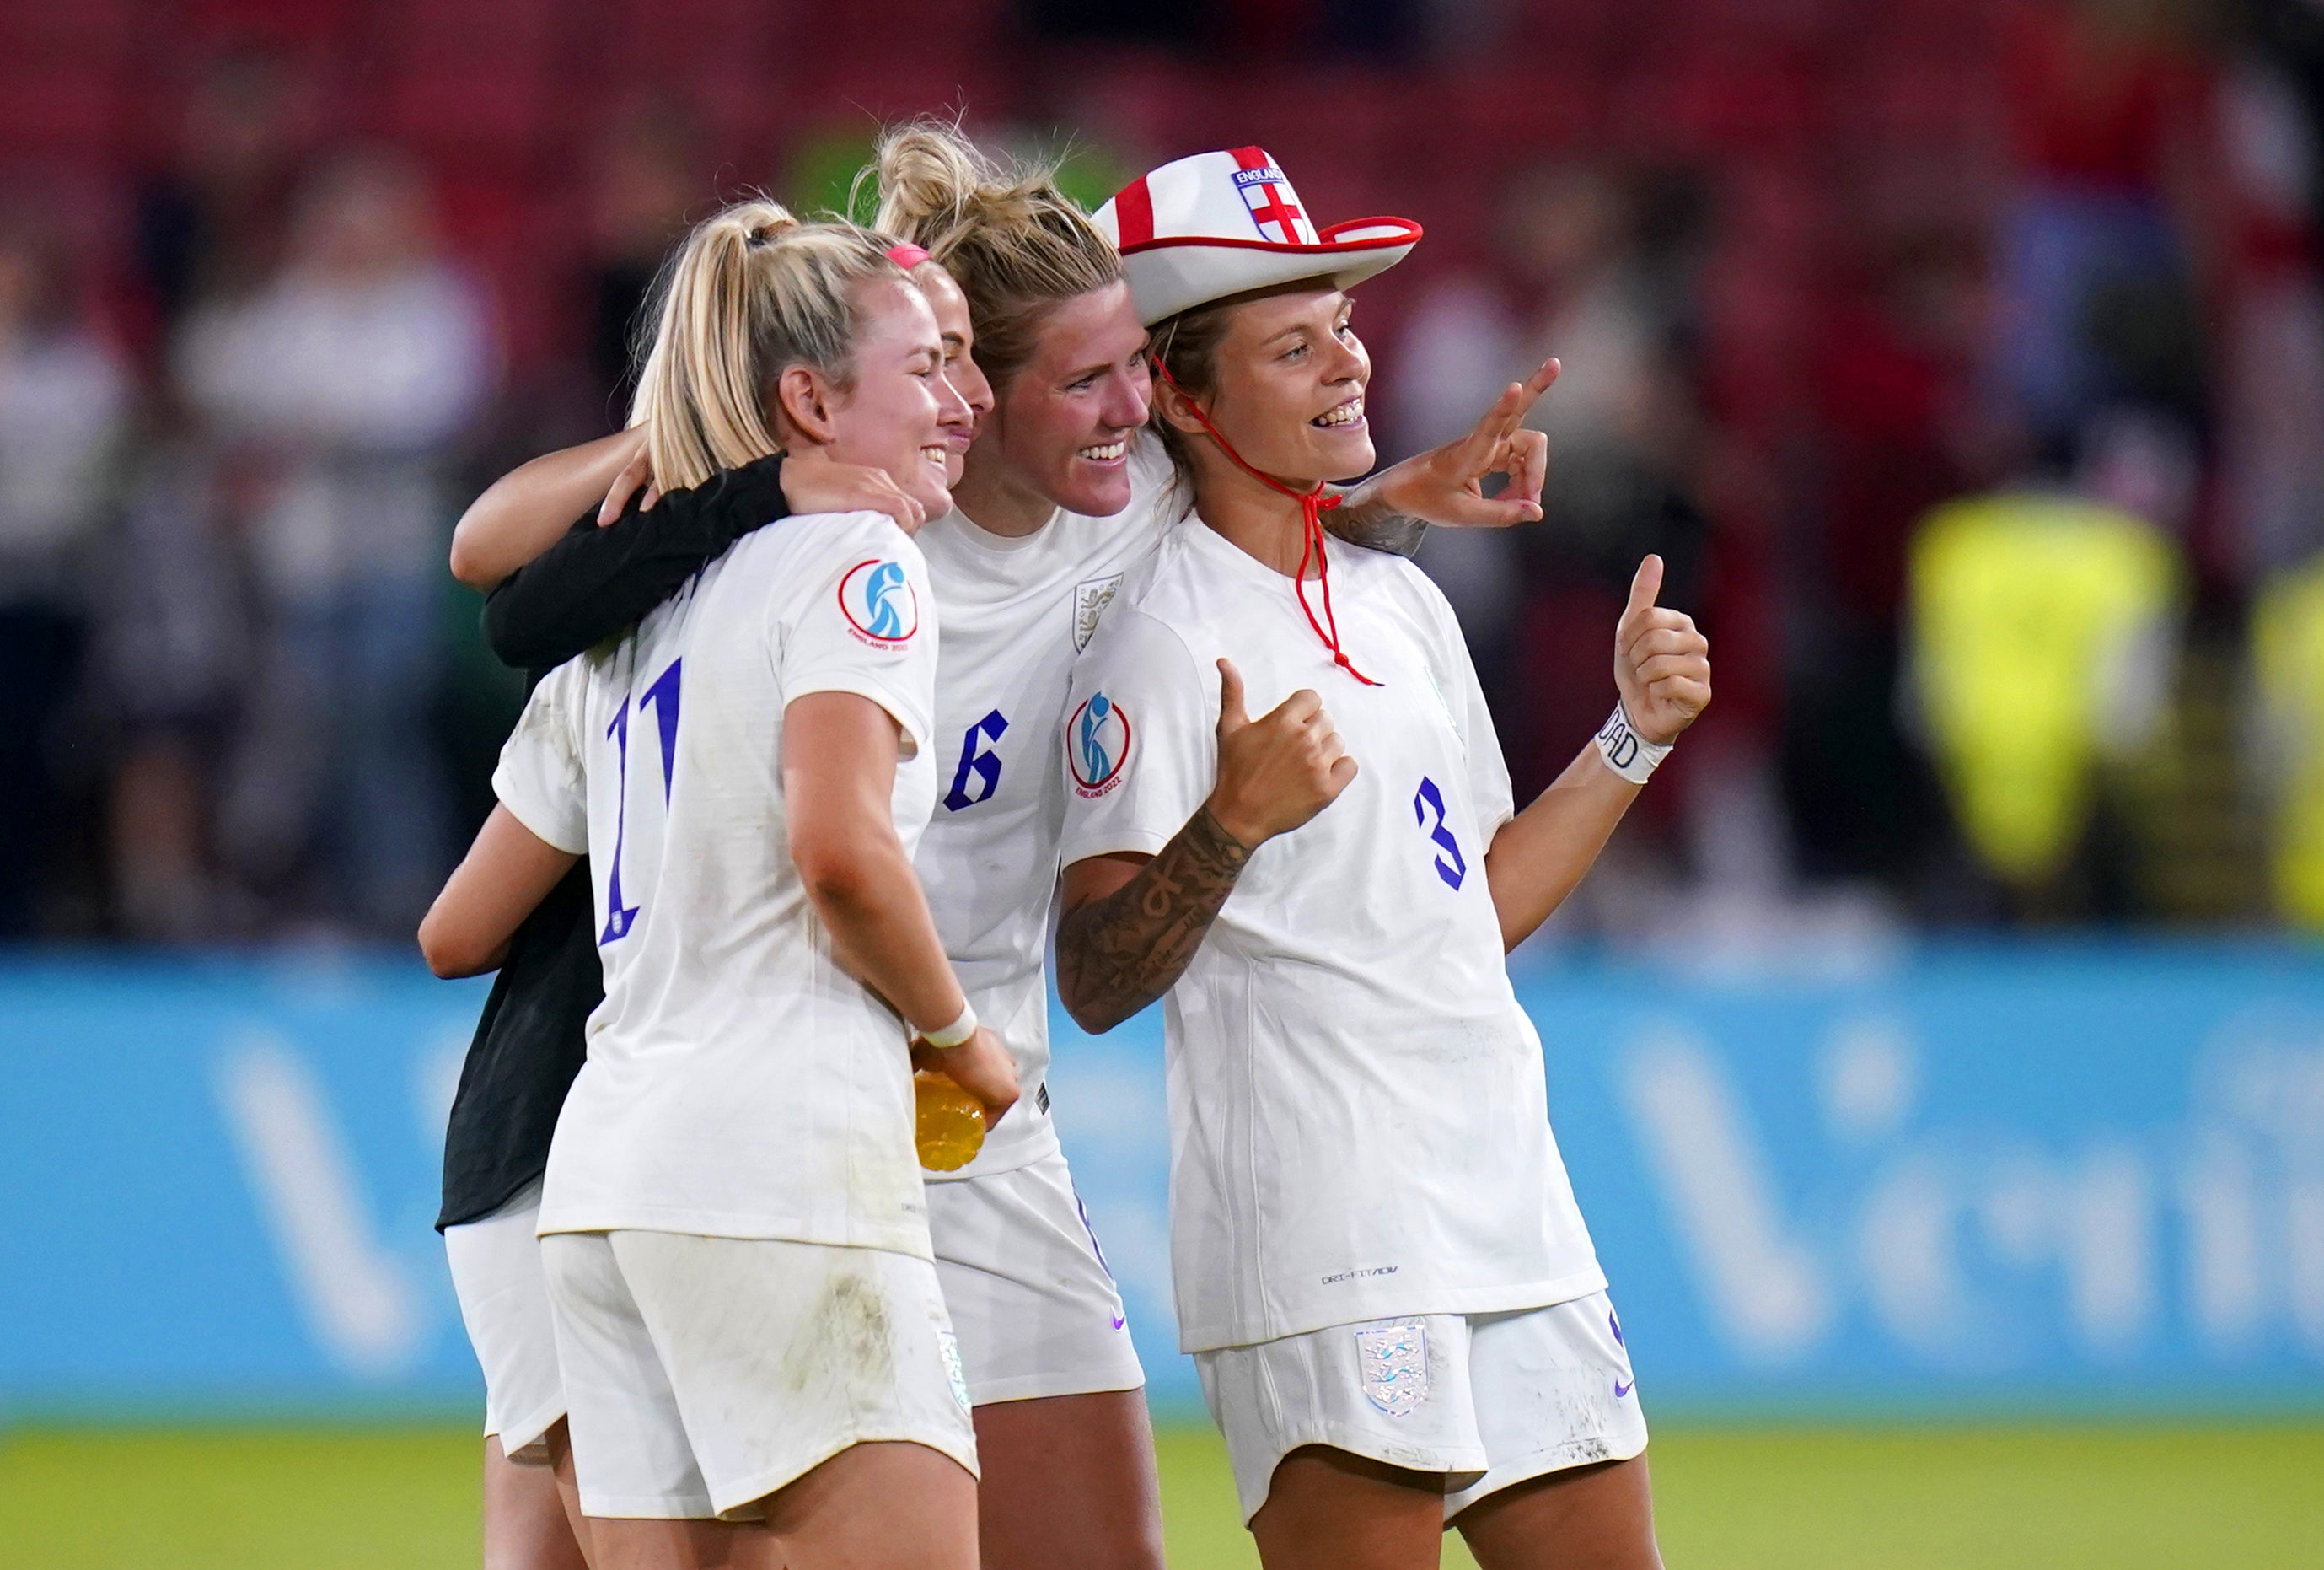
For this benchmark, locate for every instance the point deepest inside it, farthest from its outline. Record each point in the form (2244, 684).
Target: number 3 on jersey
(977, 759)
(662, 697)
(1451, 864)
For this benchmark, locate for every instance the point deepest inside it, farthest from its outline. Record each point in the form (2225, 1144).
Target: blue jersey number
(1427, 802)
(662, 697)
(977, 759)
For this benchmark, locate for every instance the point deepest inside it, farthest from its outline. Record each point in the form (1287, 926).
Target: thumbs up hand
(1662, 664)
(1276, 771)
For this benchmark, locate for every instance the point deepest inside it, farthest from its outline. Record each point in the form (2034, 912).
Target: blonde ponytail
(753, 292)
(1013, 241)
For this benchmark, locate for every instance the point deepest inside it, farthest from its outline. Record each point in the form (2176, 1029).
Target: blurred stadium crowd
(1965, 358)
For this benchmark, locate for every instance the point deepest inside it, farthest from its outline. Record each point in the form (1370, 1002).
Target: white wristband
(955, 1034)
(1627, 752)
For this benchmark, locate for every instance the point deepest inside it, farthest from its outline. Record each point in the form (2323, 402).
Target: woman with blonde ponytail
(1062, 496)
(749, 1328)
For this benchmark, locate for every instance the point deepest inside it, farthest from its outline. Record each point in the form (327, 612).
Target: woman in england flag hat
(1396, 1310)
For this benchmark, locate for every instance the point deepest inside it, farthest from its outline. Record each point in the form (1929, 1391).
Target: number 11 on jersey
(662, 697)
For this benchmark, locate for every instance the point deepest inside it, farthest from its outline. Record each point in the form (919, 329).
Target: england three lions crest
(1090, 599)
(1392, 1360)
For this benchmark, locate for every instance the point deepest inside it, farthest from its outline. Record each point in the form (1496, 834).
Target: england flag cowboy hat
(1220, 224)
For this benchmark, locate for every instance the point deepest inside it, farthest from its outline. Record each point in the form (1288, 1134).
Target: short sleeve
(867, 625)
(1140, 744)
(541, 778)
(1490, 790)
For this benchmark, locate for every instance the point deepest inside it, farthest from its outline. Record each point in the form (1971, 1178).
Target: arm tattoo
(1375, 526)
(1119, 954)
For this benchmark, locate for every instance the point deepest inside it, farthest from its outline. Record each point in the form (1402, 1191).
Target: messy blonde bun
(1014, 241)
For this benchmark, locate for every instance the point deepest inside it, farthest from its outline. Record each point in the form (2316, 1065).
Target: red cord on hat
(1313, 505)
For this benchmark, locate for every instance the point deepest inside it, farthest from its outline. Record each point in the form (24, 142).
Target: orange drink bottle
(951, 1122)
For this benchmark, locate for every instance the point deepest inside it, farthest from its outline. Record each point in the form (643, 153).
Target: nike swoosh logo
(1119, 1322)
(1621, 1389)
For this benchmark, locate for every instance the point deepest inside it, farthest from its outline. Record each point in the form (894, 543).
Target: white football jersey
(740, 1082)
(1360, 1122)
(1014, 613)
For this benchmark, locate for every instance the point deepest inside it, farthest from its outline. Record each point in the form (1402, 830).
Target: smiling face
(1286, 387)
(950, 308)
(901, 415)
(1062, 426)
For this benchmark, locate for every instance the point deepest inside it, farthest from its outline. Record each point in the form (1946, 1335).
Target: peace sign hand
(1662, 664)
(1446, 484)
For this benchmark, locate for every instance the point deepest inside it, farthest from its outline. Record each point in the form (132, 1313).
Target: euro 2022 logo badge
(1097, 745)
(878, 600)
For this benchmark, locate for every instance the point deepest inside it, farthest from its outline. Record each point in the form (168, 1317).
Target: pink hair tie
(906, 255)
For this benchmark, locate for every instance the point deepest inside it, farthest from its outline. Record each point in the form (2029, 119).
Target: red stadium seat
(51, 110)
(271, 23)
(503, 235)
(424, 35)
(492, 121)
(1720, 106)
(85, 36)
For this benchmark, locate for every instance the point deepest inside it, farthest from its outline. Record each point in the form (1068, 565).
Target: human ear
(1176, 407)
(805, 401)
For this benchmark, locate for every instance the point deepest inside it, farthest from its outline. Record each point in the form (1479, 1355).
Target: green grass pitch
(1801, 1497)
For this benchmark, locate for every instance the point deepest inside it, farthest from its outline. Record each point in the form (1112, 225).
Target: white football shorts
(704, 1373)
(1487, 1399)
(1035, 1309)
(503, 1295)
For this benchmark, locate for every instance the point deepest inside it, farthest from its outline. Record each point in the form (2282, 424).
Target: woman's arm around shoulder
(585, 578)
(525, 512)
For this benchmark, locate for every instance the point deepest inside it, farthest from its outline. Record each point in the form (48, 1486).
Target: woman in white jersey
(529, 1043)
(1397, 1312)
(1059, 499)
(532, 1518)
(751, 1334)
